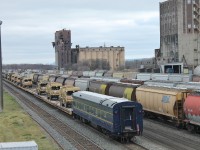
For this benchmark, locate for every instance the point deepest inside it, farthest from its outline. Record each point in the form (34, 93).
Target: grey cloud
(28, 26)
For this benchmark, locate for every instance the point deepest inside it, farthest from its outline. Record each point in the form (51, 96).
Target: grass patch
(16, 125)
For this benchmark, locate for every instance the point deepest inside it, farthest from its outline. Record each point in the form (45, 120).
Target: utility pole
(1, 85)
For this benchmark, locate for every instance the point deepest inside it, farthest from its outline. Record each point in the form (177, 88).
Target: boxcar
(118, 117)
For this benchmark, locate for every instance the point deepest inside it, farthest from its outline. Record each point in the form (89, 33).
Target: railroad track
(151, 133)
(78, 140)
(170, 140)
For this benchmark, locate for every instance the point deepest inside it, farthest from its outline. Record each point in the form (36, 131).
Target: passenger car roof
(105, 100)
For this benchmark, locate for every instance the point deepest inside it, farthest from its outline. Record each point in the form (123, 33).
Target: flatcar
(118, 117)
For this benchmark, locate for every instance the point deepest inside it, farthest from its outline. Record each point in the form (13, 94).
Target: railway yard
(167, 129)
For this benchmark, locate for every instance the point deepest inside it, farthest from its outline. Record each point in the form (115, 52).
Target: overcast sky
(29, 25)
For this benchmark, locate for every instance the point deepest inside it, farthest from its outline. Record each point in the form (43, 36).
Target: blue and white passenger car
(118, 117)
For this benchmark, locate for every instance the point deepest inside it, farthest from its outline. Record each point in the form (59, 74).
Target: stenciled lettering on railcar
(165, 99)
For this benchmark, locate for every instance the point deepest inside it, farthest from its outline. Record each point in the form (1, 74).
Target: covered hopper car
(162, 102)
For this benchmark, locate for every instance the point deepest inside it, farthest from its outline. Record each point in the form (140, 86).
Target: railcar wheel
(65, 105)
(191, 128)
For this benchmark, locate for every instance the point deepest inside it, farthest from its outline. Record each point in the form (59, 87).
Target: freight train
(119, 118)
(169, 102)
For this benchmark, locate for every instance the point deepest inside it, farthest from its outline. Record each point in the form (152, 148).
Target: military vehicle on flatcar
(65, 96)
(53, 90)
(41, 87)
(26, 82)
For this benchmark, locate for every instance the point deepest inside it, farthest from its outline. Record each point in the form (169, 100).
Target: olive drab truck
(53, 90)
(26, 82)
(41, 87)
(65, 97)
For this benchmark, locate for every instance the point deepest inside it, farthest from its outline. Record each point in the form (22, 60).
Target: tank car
(35, 78)
(133, 81)
(117, 117)
(82, 83)
(108, 74)
(70, 81)
(99, 86)
(192, 112)
(62, 79)
(125, 90)
(77, 74)
(52, 78)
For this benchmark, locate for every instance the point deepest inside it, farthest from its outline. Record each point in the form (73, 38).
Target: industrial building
(63, 52)
(65, 56)
(113, 55)
(179, 33)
